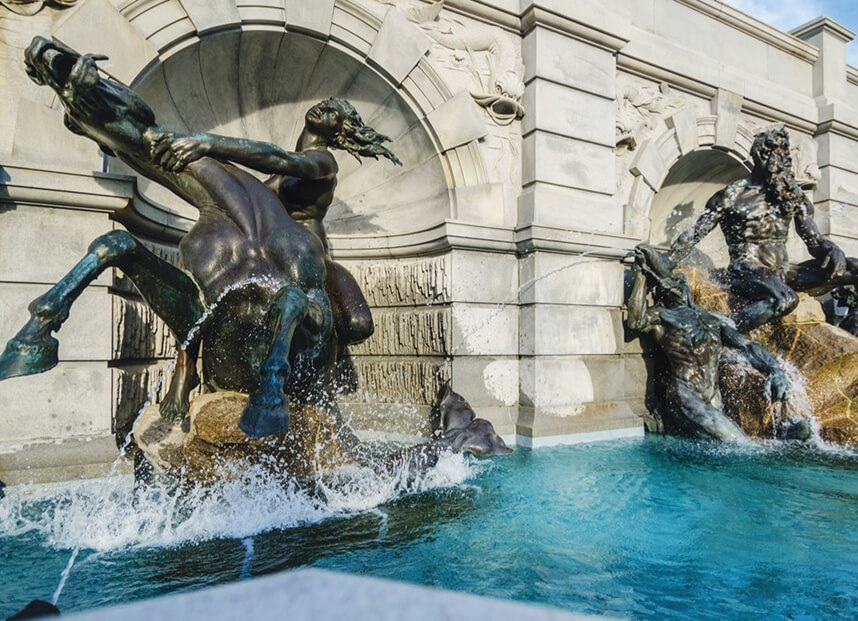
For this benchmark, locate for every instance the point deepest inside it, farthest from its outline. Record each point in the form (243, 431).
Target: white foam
(159, 516)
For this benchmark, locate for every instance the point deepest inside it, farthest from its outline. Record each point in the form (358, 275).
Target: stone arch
(689, 159)
(252, 70)
(689, 183)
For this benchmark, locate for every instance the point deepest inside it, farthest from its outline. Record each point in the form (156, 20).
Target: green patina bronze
(284, 309)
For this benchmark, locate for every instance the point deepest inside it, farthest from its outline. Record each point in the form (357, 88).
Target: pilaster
(836, 196)
(570, 325)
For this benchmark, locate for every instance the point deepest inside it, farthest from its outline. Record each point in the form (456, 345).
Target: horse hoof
(261, 419)
(28, 357)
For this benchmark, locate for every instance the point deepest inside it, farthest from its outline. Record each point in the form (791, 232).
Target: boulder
(213, 447)
(820, 358)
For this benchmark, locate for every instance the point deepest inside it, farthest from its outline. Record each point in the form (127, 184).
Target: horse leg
(267, 410)
(169, 292)
(176, 402)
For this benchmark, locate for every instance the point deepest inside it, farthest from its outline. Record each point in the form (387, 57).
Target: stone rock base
(825, 356)
(214, 447)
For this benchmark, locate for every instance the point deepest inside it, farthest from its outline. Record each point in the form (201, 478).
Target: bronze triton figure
(755, 215)
(693, 340)
(304, 181)
(246, 250)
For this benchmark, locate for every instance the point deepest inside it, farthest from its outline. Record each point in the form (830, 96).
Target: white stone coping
(579, 438)
(314, 594)
(741, 21)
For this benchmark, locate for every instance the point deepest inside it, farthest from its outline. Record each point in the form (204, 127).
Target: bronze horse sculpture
(271, 333)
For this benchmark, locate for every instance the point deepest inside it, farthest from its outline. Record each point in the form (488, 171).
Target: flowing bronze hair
(359, 139)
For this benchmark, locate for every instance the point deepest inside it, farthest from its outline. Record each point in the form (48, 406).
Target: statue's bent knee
(359, 328)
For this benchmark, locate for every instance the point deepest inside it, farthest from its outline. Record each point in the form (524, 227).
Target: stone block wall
(491, 258)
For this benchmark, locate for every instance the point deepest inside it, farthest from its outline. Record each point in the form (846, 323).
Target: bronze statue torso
(755, 231)
(691, 339)
(257, 237)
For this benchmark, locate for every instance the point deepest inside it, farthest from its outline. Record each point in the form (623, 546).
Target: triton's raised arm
(708, 220)
(640, 316)
(330, 124)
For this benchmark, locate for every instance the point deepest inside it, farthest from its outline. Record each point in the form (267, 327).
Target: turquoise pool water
(652, 528)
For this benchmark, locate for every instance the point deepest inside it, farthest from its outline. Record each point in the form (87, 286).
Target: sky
(788, 14)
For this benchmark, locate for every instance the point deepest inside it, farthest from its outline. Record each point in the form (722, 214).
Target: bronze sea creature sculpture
(267, 277)
(693, 341)
(456, 428)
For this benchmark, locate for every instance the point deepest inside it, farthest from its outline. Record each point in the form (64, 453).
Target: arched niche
(689, 183)
(259, 83)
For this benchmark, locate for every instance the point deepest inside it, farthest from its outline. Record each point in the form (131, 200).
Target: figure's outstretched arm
(175, 151)
(830, 255)
(708, 220)
(777, 383)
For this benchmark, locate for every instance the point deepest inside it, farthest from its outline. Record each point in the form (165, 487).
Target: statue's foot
(173, 410)
(28, 357)
(264, 416)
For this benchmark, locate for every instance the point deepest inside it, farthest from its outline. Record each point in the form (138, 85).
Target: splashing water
(800, 407)
(248, 557)
(264, 281)
(162, 516)
(512, 298)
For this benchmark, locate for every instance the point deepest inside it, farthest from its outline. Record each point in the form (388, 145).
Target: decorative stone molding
(499, 92)
(31, 7)
(657, 155)
(332, 48)
(589, 22)
(398, 47)
(754, 27)
(823, 25)
(638, 110)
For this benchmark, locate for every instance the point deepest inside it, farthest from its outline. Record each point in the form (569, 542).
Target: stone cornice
(839, 128)
(852, 75)
(535, 237)
(581, 23)
(695, 87)
(825, 25)
(444, 236)
(509, 16)
(753, 27)
(488, 12)
(54, 187)
(452, 234)
(33, 184)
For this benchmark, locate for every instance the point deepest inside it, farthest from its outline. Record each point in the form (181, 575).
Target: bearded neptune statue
(754, 215)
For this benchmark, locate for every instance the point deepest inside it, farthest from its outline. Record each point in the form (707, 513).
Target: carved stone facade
(540, 141)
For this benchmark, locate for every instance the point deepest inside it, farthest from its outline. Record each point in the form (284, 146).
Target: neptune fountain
(263, 318)
(257, 297)
(761, 287)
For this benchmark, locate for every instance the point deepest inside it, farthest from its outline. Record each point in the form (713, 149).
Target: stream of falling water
(511, 299)
(150, 397)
